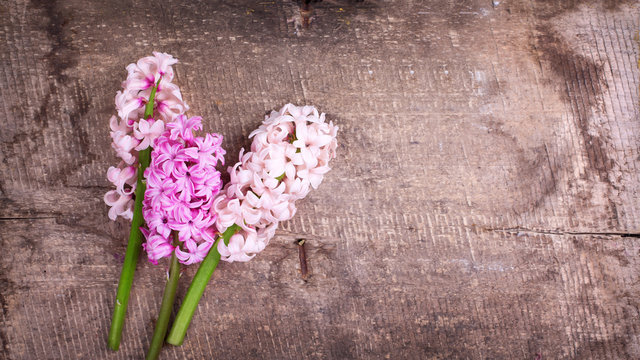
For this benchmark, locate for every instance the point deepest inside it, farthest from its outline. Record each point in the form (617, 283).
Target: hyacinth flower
(147, 102)
(182, 183)
(289, 155)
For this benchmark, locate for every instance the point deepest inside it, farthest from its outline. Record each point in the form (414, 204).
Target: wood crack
(10, 218)
(520, 230)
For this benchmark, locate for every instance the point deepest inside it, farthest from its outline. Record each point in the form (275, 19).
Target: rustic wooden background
(484, 203)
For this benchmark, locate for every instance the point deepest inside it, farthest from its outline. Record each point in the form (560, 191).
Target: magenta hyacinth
(182, 182)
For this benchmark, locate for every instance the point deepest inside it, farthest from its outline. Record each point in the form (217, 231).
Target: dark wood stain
(61, 57)
(582, 83)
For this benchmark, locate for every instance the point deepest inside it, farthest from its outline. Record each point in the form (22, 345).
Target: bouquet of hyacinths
(289, 155)
(168, 186)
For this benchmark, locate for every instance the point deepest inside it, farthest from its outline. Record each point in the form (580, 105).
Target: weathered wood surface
(484, 203)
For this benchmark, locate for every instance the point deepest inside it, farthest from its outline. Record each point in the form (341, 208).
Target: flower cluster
(289, 155)
(131, 133)
(182, 183)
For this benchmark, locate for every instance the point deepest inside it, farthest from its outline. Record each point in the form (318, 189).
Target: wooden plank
(483, 203)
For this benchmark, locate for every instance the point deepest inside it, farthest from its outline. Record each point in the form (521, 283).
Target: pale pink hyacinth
(182, 183)
(130, 132)
(289, 155)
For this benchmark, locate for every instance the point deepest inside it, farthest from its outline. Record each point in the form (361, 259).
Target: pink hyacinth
(182, 183)
(130, 133)
(289, 155)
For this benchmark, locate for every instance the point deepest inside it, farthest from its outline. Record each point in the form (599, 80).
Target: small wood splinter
(303, 259)
(306, 11)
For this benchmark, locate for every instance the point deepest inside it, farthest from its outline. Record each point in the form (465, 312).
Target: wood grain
(483, 203)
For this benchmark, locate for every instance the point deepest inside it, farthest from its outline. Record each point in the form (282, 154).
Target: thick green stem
(135, 241)
(196, 289)
(130, 258)
(168, 299)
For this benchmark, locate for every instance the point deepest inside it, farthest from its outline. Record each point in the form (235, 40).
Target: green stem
(168, 299)
(130, 258)
(148, 109)
(196, 289)
(135, 241)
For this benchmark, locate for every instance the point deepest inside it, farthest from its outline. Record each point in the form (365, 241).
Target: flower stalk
(168, 298)
(135, 241)
(196, 289)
